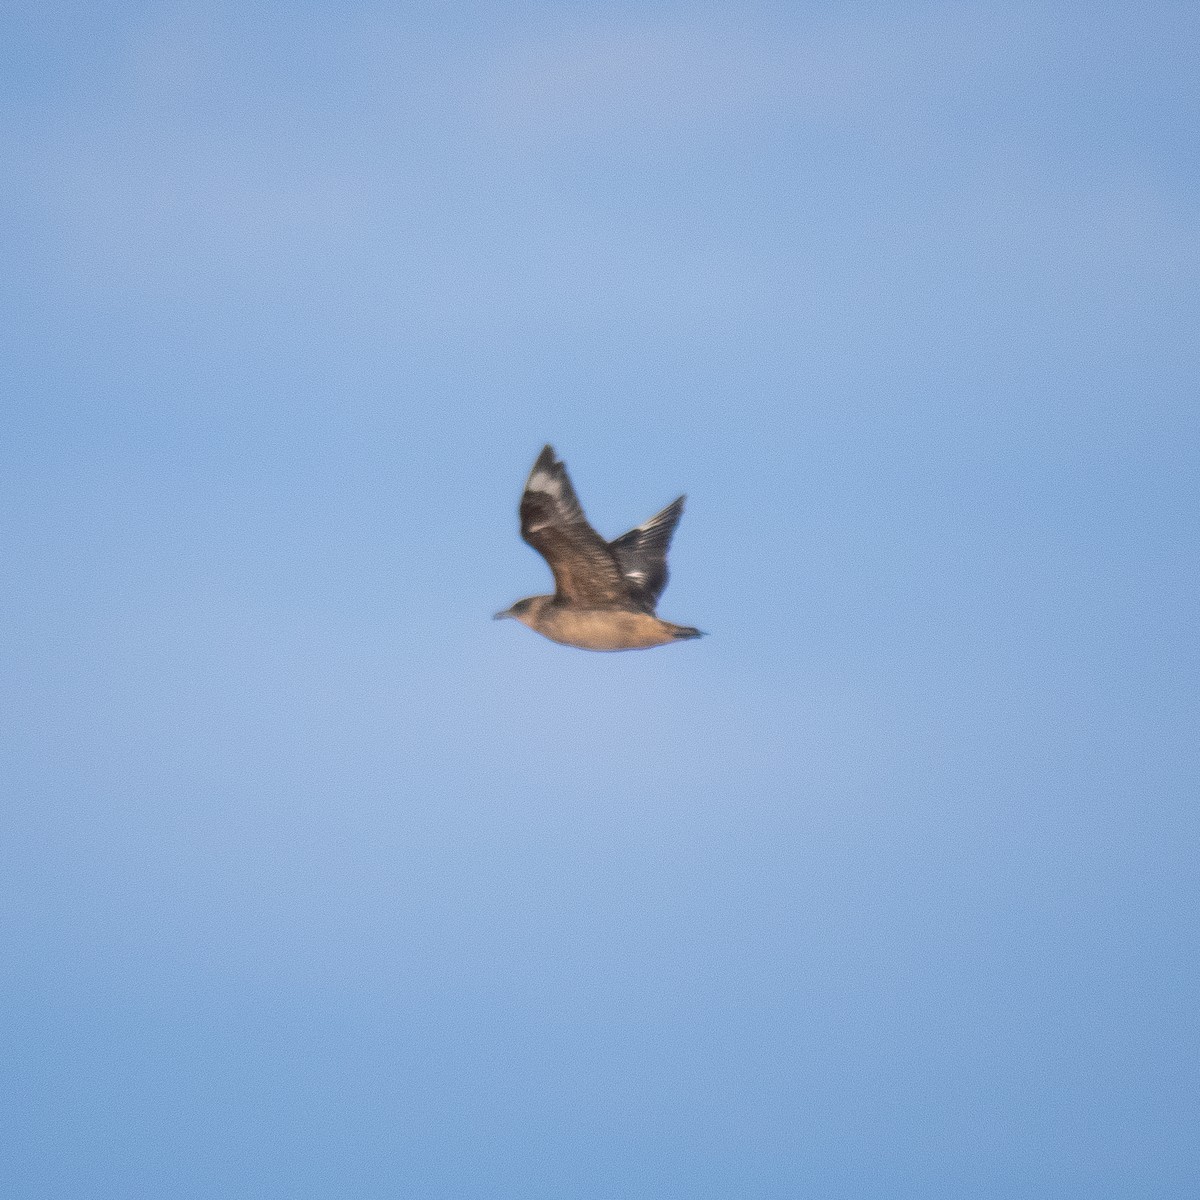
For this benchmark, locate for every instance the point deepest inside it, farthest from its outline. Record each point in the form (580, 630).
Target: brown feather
(586, 573)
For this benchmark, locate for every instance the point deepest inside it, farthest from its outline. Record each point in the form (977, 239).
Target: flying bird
(605, 592)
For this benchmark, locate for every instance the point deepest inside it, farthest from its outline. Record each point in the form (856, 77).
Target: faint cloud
(663, 77)
(500, 182)
(177, 51)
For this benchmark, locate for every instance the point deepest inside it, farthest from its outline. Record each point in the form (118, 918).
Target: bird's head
(521, 611)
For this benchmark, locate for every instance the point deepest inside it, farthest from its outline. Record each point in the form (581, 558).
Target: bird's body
(606, 592)
(599, 628)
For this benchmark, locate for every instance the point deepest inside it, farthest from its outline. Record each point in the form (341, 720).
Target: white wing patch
(541, 481)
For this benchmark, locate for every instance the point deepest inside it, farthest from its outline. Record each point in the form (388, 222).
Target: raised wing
(552, 522)
(641, 555)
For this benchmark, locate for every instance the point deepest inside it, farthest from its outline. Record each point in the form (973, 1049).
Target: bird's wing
(641, 555)
(585, 572)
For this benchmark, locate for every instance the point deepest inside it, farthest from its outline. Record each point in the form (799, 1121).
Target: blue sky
(317, 882)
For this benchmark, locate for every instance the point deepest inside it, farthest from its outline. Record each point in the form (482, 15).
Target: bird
(605, 592)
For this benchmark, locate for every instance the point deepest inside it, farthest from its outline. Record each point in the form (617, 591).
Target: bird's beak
(501, 615)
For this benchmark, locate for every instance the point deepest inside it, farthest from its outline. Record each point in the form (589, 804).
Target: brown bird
(605, 592)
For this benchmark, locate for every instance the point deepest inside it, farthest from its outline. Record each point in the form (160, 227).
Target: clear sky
(317, 882)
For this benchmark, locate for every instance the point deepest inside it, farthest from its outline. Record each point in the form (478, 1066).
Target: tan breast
(602, 629)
